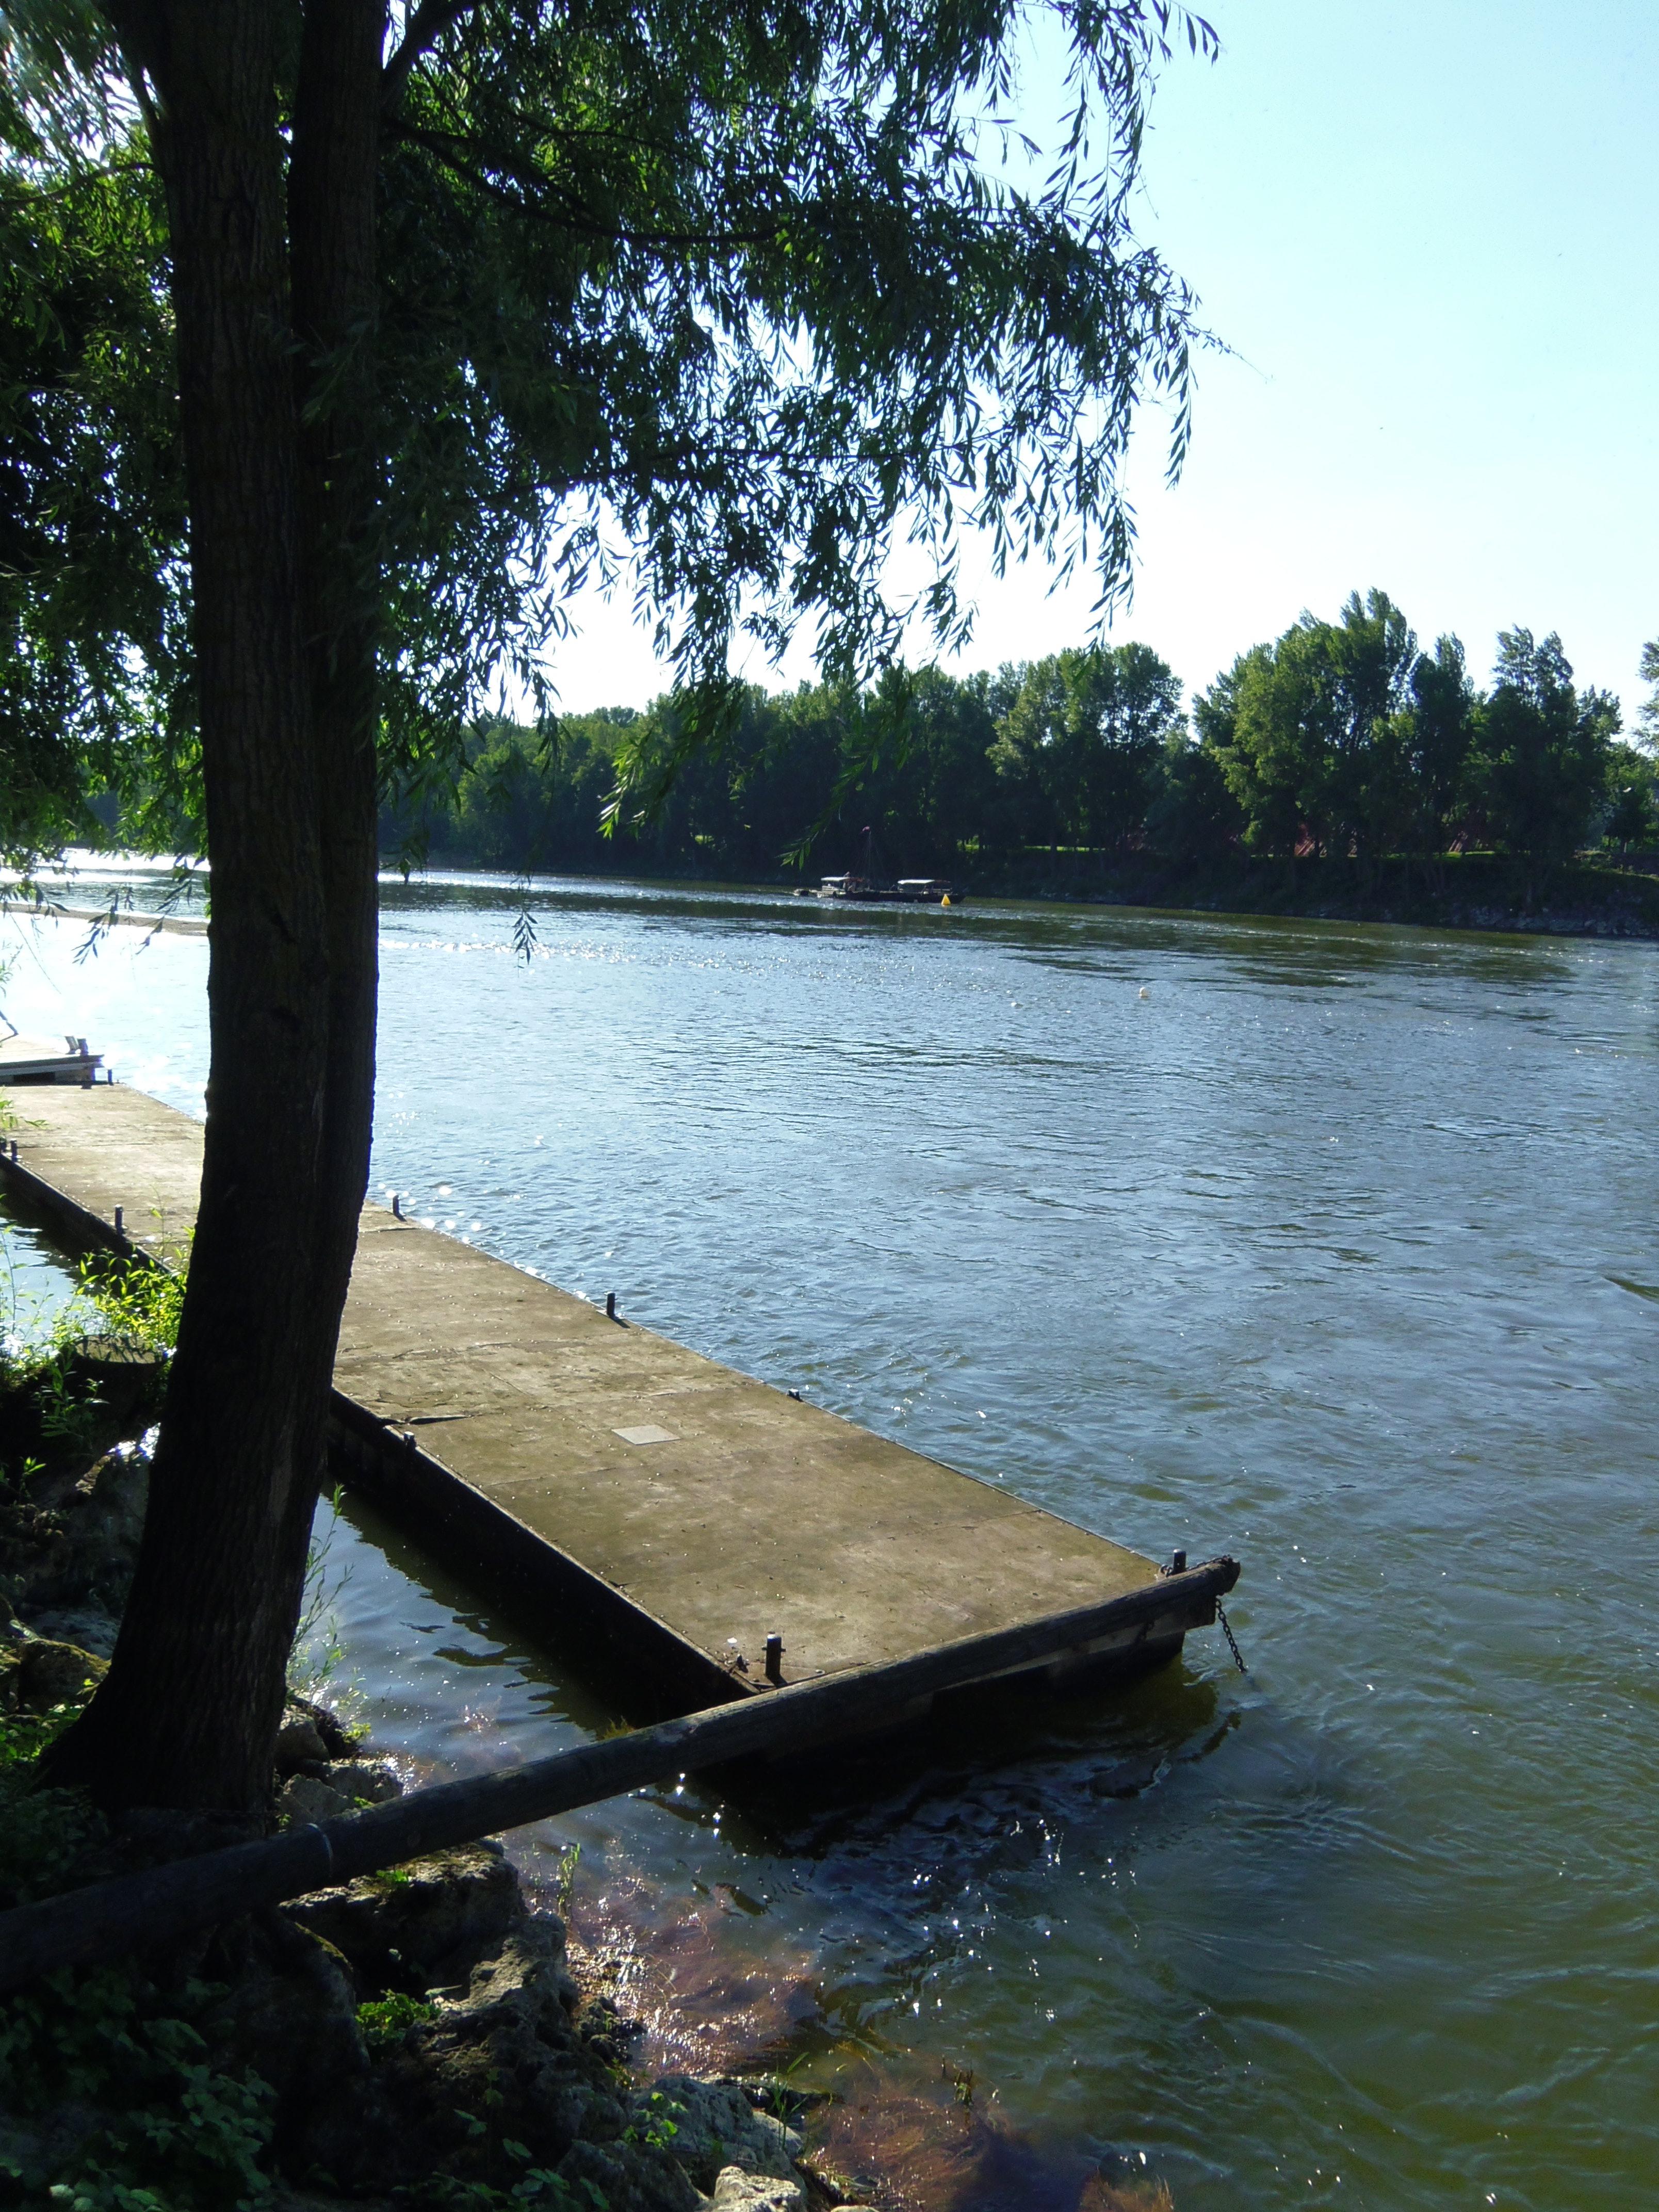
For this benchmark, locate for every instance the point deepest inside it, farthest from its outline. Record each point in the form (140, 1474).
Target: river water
(1334, 1247)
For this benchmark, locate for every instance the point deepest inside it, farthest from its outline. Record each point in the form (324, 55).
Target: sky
(1427, 237)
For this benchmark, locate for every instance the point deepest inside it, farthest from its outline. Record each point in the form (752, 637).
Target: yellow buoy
(946, 900)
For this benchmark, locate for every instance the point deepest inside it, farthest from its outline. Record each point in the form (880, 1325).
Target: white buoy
(1144, 993)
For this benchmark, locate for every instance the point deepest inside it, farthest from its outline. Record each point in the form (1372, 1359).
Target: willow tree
(471, 306)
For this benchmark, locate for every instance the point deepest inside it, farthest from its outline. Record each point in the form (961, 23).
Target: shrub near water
(110, 2099)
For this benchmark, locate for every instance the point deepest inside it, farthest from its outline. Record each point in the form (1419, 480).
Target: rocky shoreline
(417, 2038)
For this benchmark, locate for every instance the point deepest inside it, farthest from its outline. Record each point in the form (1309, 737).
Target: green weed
(386, 2020)
(658, 2127)
(175, 2135)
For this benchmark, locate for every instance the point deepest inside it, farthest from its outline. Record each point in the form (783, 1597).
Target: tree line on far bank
(1340, 740)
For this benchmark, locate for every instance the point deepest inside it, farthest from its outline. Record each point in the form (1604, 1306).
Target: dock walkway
(640, 1494)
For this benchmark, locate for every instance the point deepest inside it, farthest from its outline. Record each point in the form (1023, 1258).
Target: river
(1334, 1247)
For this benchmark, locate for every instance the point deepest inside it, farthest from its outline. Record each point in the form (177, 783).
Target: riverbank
(1474, 890)
(1463, 890)
(415, 2039)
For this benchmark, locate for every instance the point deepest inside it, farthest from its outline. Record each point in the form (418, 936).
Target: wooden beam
(144, 1911)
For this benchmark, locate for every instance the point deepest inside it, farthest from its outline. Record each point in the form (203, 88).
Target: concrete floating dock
(666, 1511)
(46, 1060)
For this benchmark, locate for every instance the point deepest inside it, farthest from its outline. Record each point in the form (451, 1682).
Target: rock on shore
(417, 2027)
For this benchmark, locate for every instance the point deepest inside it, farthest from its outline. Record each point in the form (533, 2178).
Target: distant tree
(1438, 733)
(1193, 815)
(933, 792)
(1270, 722)
(1085, 731)
(1312, 753)
(1631, 800)
(1373, 652)
(1541, 753)
(1266, 810)
(1647, 715)
(1036, 766)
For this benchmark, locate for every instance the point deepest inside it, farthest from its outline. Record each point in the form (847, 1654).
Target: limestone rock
(631, 2178)
(299, 1743)
(289, 2011)
(75, 1541)
(425, 1924)
(503, 2046)
(41, 1675)
(736, 2191)
(304, 1801)
(89, 1626)
(716, 2127)
(604, 2029)
(363, 1780)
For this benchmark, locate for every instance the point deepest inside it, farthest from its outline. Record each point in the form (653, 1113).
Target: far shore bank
(1604, 897)
(1465, 892)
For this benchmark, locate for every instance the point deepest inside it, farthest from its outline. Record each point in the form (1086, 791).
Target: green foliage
(917, 749)
(1081, 740)
(23, 1737)
(537, 2185)
(1321, 727)
(135, 1303)
(93, 595)
(167, 2131)
(712, 306)
(386, 2020)
(1341, 739)
(657, 2125)
(1631, 798)
(318, 1645)
(1194, 817)
(1647, 715)
(127, 1303)
(1541, 752)
(564, 1879)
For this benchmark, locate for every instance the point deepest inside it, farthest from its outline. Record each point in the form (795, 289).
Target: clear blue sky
(1429, 234)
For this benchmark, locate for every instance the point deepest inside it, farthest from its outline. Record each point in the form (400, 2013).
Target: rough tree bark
(273, 268)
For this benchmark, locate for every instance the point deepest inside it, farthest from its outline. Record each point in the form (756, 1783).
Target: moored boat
(908, 890)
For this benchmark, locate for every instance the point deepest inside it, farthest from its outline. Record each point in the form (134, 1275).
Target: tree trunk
(188, 1712)
(332, 225)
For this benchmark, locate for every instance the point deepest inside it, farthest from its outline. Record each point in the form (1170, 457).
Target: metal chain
(1232, 1641)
